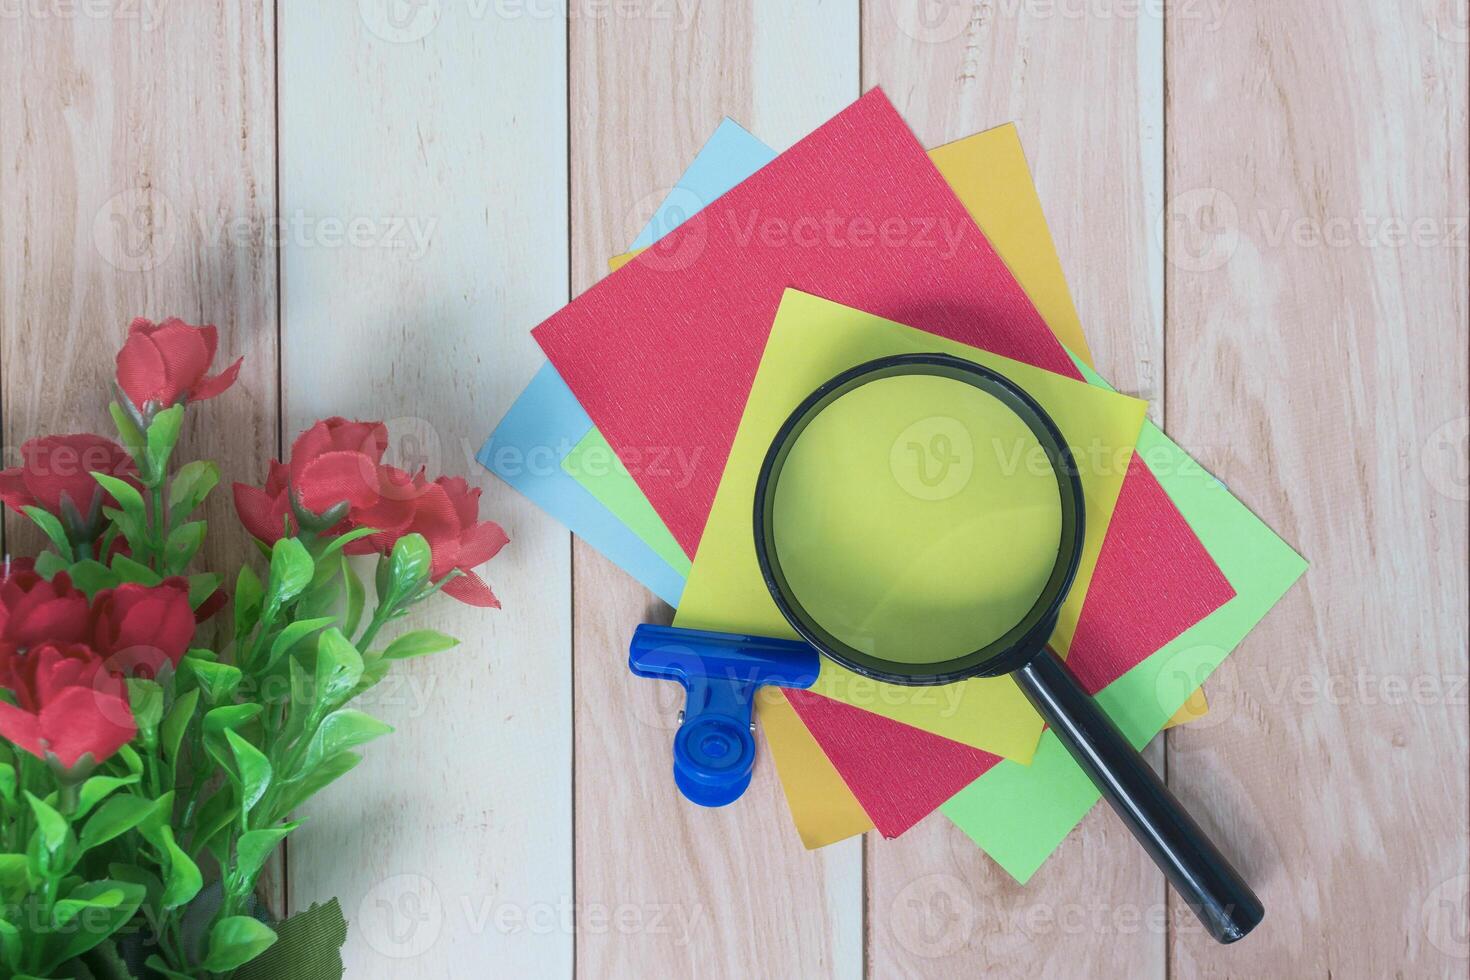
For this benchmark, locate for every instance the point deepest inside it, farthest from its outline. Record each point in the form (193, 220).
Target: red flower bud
(165, 362)
(139, 628)
(57, 470)
(67, 703)
(34, 611)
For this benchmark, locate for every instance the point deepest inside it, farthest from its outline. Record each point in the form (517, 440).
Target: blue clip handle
(714, 750)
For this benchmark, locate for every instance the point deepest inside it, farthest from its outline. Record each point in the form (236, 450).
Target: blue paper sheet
(546, 421)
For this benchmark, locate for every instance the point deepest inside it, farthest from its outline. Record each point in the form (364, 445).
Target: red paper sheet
(662, 353)
(879, 762)
(900, 774)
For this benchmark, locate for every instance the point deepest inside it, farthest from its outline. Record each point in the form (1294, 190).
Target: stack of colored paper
(760, 277)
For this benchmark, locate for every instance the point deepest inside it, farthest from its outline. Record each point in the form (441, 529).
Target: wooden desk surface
(1262, 211)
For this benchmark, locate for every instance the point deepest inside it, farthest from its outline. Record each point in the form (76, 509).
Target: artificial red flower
(60, 468)
(165, 362)
(67, 703)
(34, 611)
(265, 510)
(334, 461)
(138, 628)
(340, 462)
(447, 514)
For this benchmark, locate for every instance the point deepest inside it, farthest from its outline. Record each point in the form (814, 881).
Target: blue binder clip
(714, 749)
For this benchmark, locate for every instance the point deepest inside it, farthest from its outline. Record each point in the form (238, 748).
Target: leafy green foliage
(231, 740)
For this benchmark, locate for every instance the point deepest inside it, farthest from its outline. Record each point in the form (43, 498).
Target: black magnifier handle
(1197, 870)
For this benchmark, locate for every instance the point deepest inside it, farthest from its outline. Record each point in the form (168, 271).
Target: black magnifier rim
(1004, 654)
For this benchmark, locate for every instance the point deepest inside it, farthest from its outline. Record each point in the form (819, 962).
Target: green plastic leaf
(10, 946)
(183, 544)
(235, 941)
(253, 849)
(418, 644)
(334, 768)
(52, 528)
(182, 880)
(248, 595)
(130, 435)
(142, 877)
(229, 716)
(15, 878)
(356, 596)
(92, 895)
(218, 681)
(293, 634)
(131, 759)
(254, 769)
(116, 915)
(309, 947)
(408, 566)
(92, 576)
(291, 571)
(343, 540)
(177, 723)
(343, 729)
(7, 781)
(126, 495)
(338, 668)
(162, 436)
(156, 964)
(131, 571)
(202, 585)
(146, 699)
(48, 563)
(50, 825)
(135, 530)
(98, 788)
(217, 813)
(374, 668)
(118, 815)
(190, 486)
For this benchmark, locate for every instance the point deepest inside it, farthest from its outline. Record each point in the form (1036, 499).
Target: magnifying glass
(918, 519)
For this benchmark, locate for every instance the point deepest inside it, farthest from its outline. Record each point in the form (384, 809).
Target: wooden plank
(438, 130)
(1317, 297)
(703, 892)
(137, 178)
(1086, 95)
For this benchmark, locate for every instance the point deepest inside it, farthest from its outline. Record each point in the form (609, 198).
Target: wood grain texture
(703, 892)
(1317, 303)
(438, 130)
(1086, 95)
(137, 178)
(1275, 255)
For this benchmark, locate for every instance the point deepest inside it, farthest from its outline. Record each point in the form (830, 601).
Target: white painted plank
(439, 128)
(735, 892)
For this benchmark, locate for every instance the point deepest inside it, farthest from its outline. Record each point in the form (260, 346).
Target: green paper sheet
(594, 465)
(1020, 814)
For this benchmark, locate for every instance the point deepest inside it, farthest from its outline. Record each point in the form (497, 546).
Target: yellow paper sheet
(822, 807)
(812, 340)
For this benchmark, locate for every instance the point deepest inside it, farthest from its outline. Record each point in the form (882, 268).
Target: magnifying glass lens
(917, 519)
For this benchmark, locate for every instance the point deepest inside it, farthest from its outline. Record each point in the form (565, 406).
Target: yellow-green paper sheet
(811, 341)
